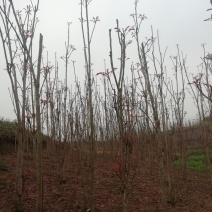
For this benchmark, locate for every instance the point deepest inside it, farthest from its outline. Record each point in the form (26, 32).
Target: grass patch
(195, 161)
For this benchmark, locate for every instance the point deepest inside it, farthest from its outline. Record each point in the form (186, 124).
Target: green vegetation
(196, 161)
(7, 131)
(6, 124)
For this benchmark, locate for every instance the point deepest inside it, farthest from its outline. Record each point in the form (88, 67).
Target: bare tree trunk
(19, 173)
(39, 203)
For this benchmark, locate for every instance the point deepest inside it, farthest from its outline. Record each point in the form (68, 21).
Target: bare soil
(191, 194)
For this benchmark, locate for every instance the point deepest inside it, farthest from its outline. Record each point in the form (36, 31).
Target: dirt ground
(191, 194)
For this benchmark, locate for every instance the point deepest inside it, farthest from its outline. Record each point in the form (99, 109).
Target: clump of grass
(195, 161)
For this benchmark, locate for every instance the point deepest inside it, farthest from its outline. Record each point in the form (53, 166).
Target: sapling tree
(11, 49)
(155, 95)
(201, 82)
(125, 137)
(17, 35)
(178, 96)
(47, 102)
(68, 51)
(63, 110)
(142, 50)
(87, 34)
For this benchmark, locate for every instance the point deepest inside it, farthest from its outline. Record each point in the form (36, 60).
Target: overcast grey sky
(179, 22)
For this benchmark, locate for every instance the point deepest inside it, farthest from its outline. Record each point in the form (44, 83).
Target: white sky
(179, 22)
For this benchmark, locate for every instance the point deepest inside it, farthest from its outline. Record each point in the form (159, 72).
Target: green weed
(195, 161)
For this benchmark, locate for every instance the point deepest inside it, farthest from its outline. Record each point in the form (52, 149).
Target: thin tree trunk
(39, 203)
